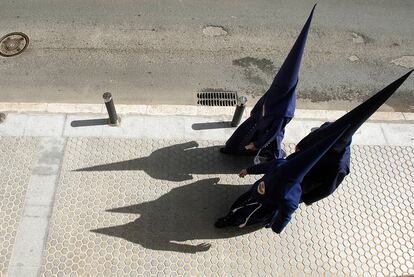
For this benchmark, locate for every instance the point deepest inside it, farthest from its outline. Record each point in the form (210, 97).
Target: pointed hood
(280, 98)
(295, 169)
(354, 118)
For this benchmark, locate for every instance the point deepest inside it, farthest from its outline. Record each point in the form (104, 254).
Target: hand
(261, 188)
(251, 146)
(243, 173)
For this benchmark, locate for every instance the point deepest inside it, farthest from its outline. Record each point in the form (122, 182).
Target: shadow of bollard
(211, 125)
(89, 122)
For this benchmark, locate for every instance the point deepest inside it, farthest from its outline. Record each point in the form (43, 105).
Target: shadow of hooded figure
(178, 162)
(185, 213)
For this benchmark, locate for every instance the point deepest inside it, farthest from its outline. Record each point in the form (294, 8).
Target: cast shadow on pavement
(89, 122)
(178, 162)
(185, 213)
(211, 125)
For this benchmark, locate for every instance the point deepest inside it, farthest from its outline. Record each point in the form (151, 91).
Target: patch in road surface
(359, 38)
(353, 58)
(214, 31)
(404, 61)
(399, 102)
(256, 70)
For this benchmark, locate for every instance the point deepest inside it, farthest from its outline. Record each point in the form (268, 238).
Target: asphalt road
(162, 51)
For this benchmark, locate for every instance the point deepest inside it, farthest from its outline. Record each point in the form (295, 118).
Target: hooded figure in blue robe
(328, 173)
(273, 199)
(268, 118)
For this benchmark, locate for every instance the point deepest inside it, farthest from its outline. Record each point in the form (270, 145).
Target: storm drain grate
(222, 99)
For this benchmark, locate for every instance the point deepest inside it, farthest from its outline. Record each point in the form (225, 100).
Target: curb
(187, 110)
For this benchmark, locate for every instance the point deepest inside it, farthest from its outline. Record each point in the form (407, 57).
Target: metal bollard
(110, 107)
(238, 113)
(2, 117)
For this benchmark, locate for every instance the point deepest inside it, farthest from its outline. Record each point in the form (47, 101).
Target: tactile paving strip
(16, 157)
(146, 208)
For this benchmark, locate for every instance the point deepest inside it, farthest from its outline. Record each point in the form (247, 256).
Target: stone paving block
(147, 207)
(399, 134)
(171, 109)
(133, 109)
(45, 125)
(369, 134)
(9, 107)
(32, 107)
(14, 125)
(296, 130)
(409, 116)
(75, 108)
(22, 271)
(34, 224)
(36, 193)
(326, 115)
(16, 156)
(163, 127)
(387, 116)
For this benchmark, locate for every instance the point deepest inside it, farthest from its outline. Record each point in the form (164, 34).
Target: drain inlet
(220, 99)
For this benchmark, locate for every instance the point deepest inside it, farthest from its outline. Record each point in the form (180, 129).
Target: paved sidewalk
(141, 200)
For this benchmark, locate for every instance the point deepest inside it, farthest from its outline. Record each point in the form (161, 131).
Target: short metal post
(2, 117)
(110, 107)
(238, 113)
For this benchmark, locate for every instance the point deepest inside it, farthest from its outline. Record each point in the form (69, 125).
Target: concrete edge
(216, 128)
(187, 110)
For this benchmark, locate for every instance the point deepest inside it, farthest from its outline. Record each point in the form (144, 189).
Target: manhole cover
(13, 44)
(217, 99)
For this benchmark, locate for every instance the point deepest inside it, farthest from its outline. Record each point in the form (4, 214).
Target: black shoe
(222, 222)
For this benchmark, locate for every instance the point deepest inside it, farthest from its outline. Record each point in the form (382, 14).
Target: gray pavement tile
(399, 134)
(14, 125)
(23, 271)
(16, 157)
(45, 125)
(200, 127)
(40, 190)
(33, 224)
(147, 207)
(162, 127)
(371, 134)
(298, 129)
